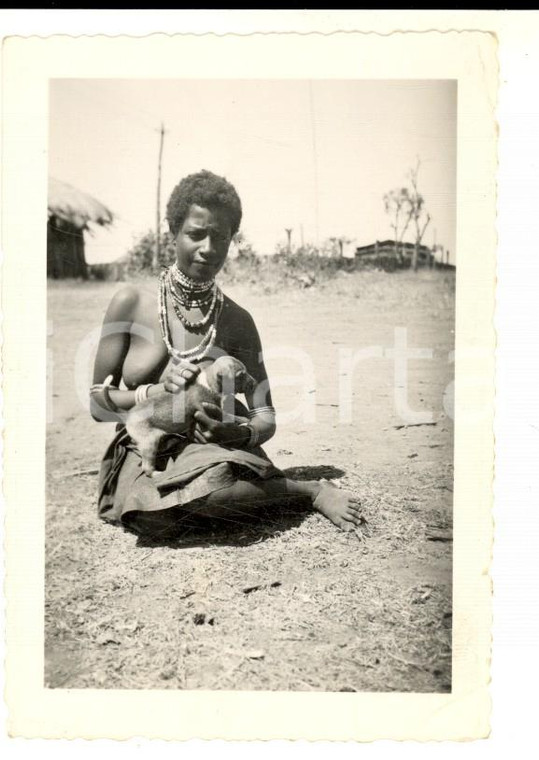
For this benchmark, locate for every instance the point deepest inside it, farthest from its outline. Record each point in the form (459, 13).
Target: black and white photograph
(249, 399)
(251, 321)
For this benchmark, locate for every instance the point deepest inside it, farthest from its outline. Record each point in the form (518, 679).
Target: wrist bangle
(141, 392)
(253, 439)
(267, 411)
(105, 387)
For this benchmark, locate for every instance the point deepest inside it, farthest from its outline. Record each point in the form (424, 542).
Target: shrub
(300, 268)
(140, 256)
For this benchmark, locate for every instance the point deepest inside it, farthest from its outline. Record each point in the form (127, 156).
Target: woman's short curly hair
(205, 189)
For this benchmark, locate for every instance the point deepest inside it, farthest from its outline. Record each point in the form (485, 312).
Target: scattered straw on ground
(286, 602)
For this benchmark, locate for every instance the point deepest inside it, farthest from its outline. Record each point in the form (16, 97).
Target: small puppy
(172, 413)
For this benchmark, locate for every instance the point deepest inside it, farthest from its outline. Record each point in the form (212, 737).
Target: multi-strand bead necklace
(187, 293)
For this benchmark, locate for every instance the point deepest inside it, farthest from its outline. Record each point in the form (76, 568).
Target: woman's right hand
(179, 374)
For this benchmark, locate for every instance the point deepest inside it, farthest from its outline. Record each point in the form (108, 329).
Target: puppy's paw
(149, 469)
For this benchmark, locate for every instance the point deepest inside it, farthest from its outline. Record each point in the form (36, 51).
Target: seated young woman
(154, 342)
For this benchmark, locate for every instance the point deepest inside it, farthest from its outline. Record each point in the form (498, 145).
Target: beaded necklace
(178, 298)
(208, 340)
(190, 285)
(187, 291)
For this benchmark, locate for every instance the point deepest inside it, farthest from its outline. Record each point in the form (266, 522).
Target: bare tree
(337, 245)
(397, 205)
(288, 231)
(416, 211)
(342, 241)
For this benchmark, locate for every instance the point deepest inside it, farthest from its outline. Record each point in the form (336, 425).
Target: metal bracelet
(254, 436)
(105, 388)
(266, 410)
(141, 392)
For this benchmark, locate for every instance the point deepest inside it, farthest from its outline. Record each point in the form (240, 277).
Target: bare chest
(147, 357)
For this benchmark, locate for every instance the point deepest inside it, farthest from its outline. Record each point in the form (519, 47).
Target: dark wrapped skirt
(188, 472)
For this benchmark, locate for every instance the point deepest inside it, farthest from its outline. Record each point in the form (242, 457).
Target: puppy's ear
(251, 384)
(245, 383)
(239, 378)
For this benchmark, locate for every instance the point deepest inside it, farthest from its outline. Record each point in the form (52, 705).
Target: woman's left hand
(209, 427)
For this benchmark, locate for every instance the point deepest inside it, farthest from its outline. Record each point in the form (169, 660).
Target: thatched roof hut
(70, 213)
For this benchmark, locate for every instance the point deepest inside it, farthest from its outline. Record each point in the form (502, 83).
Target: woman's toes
(354, 517)
(354, 520)
(344, 521)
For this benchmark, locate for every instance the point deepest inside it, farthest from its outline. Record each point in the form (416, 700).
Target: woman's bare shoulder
(127, 301)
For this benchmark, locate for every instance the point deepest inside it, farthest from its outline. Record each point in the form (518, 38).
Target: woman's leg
(247, 497)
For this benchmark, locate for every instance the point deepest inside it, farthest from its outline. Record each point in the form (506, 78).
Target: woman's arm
(111, 353)
(110, 357)
(259, 402)
(246, 347)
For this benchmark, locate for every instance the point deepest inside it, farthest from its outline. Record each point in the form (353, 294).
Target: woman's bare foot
(341, 507)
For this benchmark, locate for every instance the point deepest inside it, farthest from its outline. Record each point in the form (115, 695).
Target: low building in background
(70, 213)
(389, 256)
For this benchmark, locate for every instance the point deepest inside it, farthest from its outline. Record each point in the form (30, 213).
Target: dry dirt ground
(287, 602)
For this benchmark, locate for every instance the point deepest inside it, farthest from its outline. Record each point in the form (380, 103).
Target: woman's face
(202, 242)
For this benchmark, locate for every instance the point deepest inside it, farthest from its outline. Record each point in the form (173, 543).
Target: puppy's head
(231, 376)
(245, 383)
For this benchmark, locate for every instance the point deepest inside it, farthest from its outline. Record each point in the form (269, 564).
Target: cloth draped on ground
(187, 472)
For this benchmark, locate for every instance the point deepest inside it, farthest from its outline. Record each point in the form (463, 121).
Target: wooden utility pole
(157, 250)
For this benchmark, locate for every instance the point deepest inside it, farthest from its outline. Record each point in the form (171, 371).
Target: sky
(316, 156)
